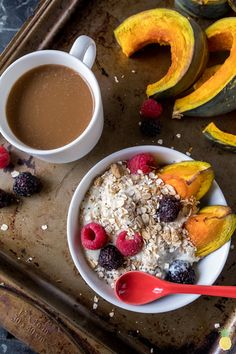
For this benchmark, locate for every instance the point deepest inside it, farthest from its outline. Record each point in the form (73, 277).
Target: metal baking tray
(43, 299)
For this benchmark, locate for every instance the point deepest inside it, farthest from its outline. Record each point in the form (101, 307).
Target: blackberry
(169, 208)
(26, 184)
(181, 272)
(6, 199)
(150, 127)
(110, 258)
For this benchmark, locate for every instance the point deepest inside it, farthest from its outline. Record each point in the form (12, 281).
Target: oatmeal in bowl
(134, 210)
(143, 219)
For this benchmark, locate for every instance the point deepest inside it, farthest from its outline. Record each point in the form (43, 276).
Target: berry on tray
(151, 109)
(144, 162)
(26, 184)
(169, 208)
(181, 272)
(150, 127)
(4, 157)
(93, 236)
(129, 247)
(6, 199)
(110, 258)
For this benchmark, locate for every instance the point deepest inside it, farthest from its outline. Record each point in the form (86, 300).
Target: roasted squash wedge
(203, 8)
(224, 140)
(167, 27)
(189, 178)
(217, 94)
(211, 228)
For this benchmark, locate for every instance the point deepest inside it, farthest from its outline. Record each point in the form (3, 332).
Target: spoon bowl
(139, 288)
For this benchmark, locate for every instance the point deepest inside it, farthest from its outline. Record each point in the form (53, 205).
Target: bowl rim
(178, 300)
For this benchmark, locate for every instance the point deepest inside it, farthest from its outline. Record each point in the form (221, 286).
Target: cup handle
(84, 48)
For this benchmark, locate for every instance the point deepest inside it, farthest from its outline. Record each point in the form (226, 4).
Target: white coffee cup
(80, 58)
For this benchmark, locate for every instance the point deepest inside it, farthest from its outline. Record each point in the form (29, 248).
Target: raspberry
(129, 247)
(169, 208)
(4, 157)
(181, 272)
(26, 184)
(110, 258)
(93, 236)
(6, 199)
(151, 109)
(150, 127)
(144, 162)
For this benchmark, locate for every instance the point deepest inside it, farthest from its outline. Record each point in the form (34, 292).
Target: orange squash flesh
(201, 228)
(215, 95)
(211, 228)
(178, 183)
(189, 178)
(208, 73)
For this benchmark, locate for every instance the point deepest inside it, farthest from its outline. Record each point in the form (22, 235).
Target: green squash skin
(196, 67)
(211, 11)
(223, 102)
(219, 143)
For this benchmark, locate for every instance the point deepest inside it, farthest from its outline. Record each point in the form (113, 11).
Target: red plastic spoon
(139, 288)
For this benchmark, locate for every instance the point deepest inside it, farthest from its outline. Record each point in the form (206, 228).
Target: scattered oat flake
(15, 173)
(116, 80)
(4, 348)
(4, 227)
(133, 71)
(18, 258)
(188, 153)
(95, 306)
(44, 227)
(2, 284)
(29, 259)
(58, 281)
(95, 299)
(166, 266)
(151, 350)
(122, 76)
(137, 331)
(217, 325)
(232, 247)
(160, 141)
(172, 147)
(178, 136)
(111, 314)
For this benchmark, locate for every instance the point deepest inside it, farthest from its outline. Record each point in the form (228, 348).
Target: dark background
(13, 14)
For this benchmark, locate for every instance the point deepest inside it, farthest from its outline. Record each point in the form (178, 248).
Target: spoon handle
(213, 290)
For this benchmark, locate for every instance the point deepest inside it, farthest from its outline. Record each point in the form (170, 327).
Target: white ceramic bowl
(208, 269)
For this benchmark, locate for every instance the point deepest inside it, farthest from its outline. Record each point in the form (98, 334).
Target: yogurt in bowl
(109, 189)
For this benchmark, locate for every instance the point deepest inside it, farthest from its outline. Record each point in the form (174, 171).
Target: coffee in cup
(49, 106)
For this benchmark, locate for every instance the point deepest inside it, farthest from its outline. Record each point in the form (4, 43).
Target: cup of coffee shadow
(79, 61)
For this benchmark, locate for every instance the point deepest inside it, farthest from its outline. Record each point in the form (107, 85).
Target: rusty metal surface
(36, 264)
